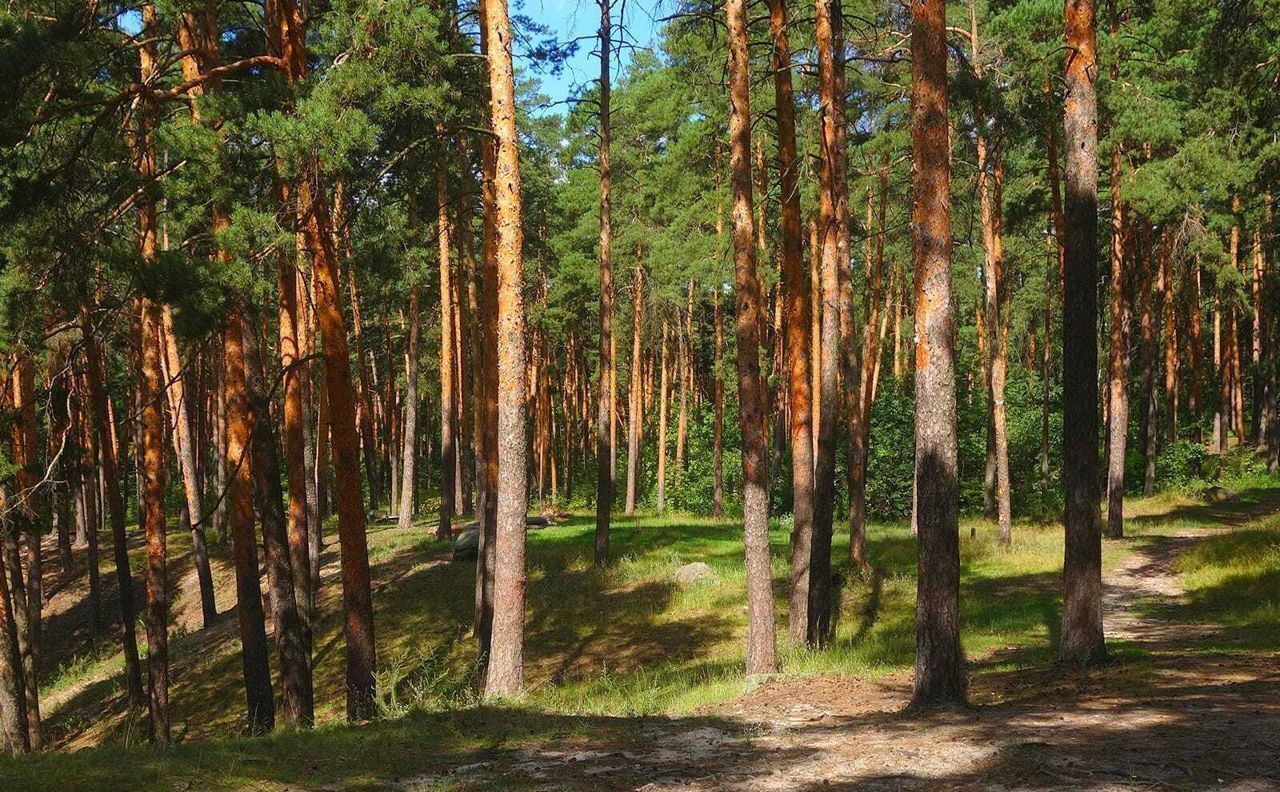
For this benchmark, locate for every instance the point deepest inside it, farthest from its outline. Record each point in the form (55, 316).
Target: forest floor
(636, 683)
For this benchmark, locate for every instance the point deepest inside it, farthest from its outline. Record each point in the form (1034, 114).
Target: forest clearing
(674, 394)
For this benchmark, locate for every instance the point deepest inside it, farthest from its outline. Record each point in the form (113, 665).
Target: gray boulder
(695, 574)
(1216, 494)
(467, 545)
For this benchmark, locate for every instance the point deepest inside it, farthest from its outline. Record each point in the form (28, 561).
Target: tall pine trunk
(253, 635)
(1082, 639)
(506, 655)
(748, 321)
(605, 387)
(796, 295)
(939, 671)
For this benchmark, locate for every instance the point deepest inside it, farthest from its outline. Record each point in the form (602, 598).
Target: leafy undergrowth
(626, 641)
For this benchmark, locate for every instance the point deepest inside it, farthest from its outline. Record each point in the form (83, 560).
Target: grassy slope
(622, 642)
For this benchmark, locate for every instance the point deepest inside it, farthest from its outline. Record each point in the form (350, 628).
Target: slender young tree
(100, 405)
(747, 323)
(409, 449)
(1082, 639)
(506, 654)
(939, 672)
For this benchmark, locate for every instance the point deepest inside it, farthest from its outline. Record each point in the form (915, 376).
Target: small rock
(467, 545)
(696, 574)
(1216, 494)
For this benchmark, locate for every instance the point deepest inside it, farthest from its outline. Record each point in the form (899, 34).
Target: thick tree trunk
(747, 323)
(295, 447)
(253, 635)
(605, 386)
(448, 387)
(1082, 639)
(796, 292)
(939, 673)
(833, 210)
(26, 523)
(506, 656)
(151, 426)
(13, 705)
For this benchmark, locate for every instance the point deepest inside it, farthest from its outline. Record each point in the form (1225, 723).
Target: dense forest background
(249, 270)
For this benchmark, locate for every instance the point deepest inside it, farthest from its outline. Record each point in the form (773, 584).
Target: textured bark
(107, 456)
(448, 374)
(25, 522)
(316, 226)
(290, 631)
(1082, 639)
(294, 419)
(152, 421)
(747, 324)
(939, 671)
(506, 656)
(253, 635)
(13, 705)
(832, 211)
(1118, 386)
(605, 388)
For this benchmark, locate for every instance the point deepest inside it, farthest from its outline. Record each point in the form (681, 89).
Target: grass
(607, 651)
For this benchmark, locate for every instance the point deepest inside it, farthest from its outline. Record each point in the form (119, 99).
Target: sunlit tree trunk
(253, 635)
(939, 671)
(1118, 388)
(1082, 639)
(748, 321)
(316, 226)
(152, 421)
(448, 388)
(796, 290)
(833, 210)
(605, 448)
(506, 656)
